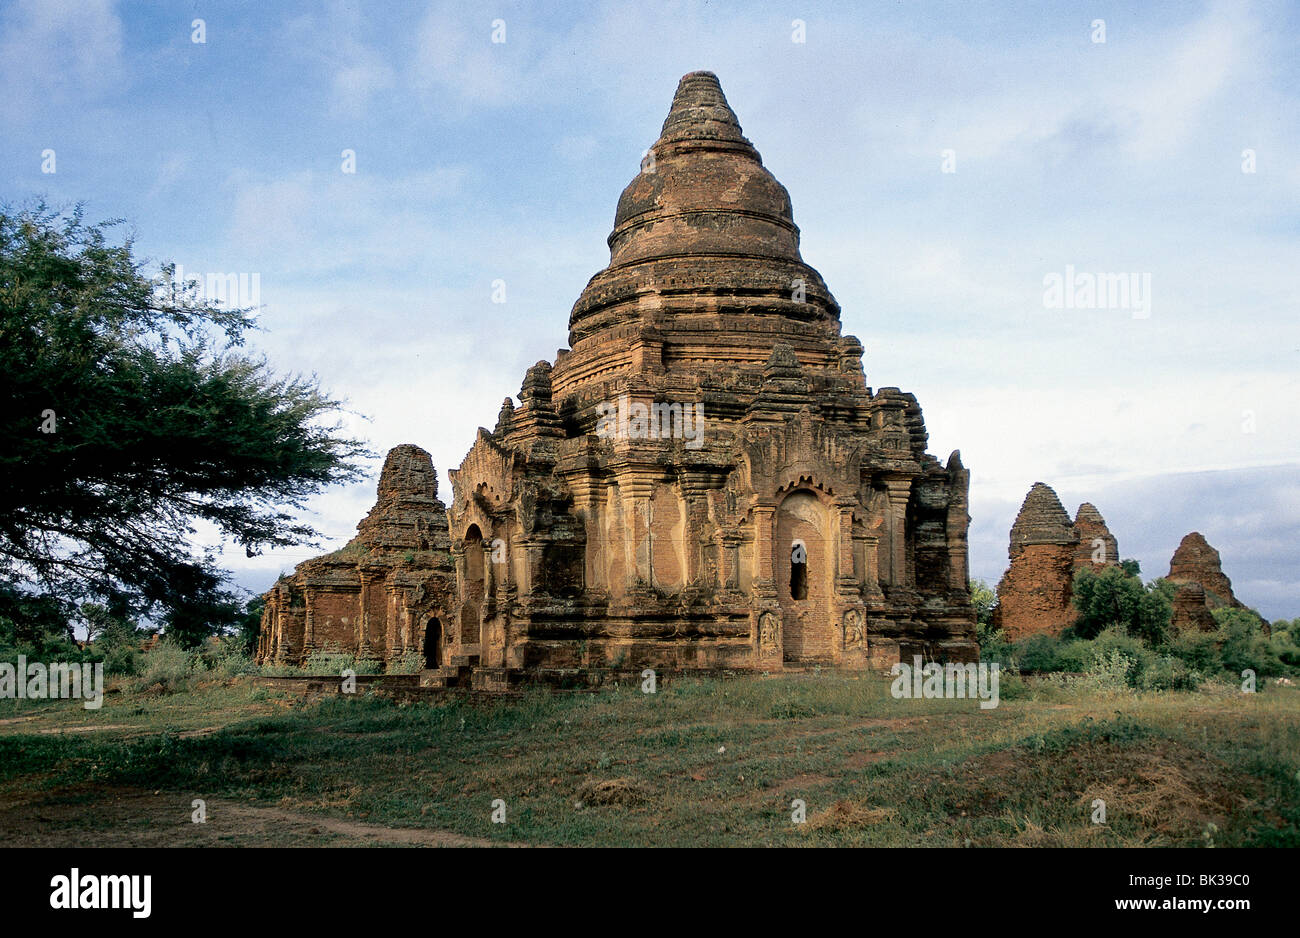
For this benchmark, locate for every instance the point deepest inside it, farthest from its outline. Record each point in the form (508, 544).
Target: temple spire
(700, 114)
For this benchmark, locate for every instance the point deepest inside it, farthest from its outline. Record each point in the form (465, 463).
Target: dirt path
(164, 819)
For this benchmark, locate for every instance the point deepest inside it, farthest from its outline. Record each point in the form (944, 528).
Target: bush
(231, 659)
(335, 663)
(1285, 642)
(1244, 645)
(1038, 653)
(994, 645)
(1011, 686)
(1198, 650)
(1109, 672)
(1075, 656)
(409, 662)
(1169, 673)
(122, 660)
(168, 667)
(1116, 640)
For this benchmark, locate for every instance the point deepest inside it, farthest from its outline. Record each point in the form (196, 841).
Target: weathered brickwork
(384, 594)
(703, 479)
(1203, 586)
(1097, 546)
(1195, 561)
(1036, 591)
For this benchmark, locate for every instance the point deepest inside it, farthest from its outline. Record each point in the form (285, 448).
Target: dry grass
(702, 760)
(621, 791)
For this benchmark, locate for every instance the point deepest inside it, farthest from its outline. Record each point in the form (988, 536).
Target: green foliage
(1116, 640)
(1167, 672)
(410, 662)
(1114, 597)
(1198, 650)
(1108, 673)
(1075, 657)
(36, 625)
(114, 635)
(1039, 653)
(983, 598)
(1011, 686)
(200, 610)
(166, 669)
(1244, 645)
(129, 416)
(335, 663)
(224, 657)
(1285, 642)
(250, 624)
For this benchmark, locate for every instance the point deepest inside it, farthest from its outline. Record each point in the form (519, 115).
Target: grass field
(707, 762)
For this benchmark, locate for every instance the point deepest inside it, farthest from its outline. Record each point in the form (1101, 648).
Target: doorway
(432, 640)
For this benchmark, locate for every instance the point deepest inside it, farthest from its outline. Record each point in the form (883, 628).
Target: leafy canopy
(131, 417)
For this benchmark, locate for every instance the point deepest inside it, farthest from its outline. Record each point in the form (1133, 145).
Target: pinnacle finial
(700, 112)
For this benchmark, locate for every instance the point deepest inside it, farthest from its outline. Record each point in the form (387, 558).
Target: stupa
(703, 479)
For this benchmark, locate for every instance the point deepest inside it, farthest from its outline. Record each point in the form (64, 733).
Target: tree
(131, 416)
(250, 623)
(34, 624)
(1115, 597)
(984, 599)
(1244, 645)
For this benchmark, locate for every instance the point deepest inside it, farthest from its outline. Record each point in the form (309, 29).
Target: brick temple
(703, 479)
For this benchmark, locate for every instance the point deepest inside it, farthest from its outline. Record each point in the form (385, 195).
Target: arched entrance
(803, 577)
(432, 641)
(474, 586)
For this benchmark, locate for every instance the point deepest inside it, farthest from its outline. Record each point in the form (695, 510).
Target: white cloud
(333, 42)
(58, 53)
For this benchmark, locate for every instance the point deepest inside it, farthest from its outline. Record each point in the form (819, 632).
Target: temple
(703, 479)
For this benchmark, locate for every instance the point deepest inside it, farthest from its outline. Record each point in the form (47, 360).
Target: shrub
(122, 660)
(1285, 642)
(334, 663)
(168, 667)
(1116, 640)
(1011, 686)
(409, 662)
(1038, 653)
(1198, 650)
(1075, 656)
(232, 660)
(994, 645)
(1169, 673)
(1115, 596)
(1244, 645)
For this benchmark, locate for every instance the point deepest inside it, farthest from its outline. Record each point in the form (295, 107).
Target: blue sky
(478, 161)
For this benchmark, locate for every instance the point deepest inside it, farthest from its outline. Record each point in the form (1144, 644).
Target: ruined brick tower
(703, 479)
(1046, 551)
